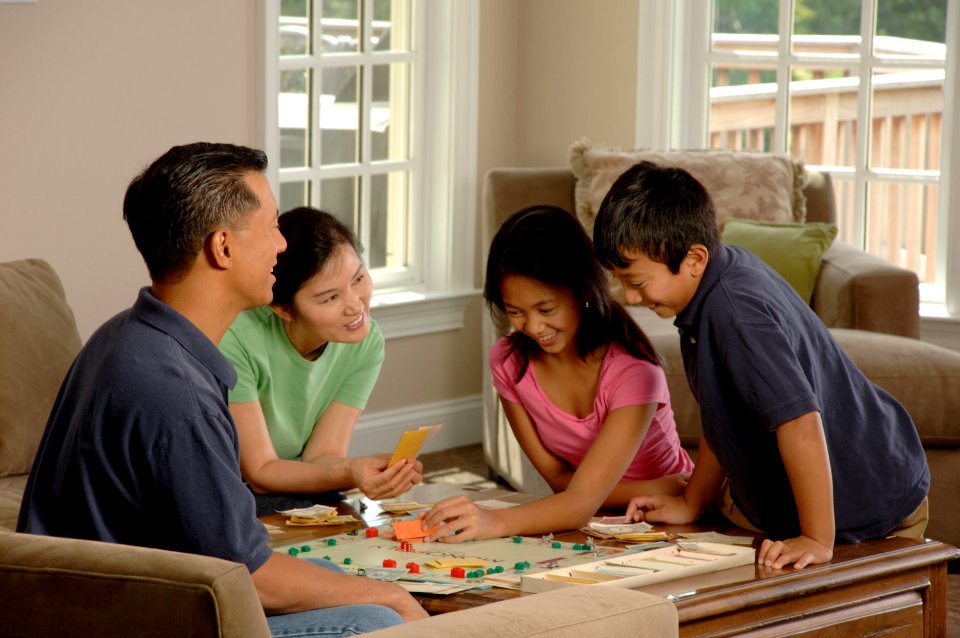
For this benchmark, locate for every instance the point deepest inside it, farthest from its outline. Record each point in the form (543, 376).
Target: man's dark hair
(658, 211)
(186, 194)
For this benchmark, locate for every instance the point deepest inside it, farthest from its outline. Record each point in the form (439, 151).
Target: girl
(306, 365)
(579, 383)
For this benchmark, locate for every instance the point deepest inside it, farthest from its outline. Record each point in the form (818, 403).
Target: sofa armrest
(570, 612)
(859, 291)
(64, 586)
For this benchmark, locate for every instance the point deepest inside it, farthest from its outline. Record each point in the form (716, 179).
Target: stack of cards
(316, 515)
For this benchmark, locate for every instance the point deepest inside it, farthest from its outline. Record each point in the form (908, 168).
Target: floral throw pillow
(743, 184)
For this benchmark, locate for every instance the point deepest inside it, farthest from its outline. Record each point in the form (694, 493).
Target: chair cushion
(793, 250)
(39, 341)
(745, 185)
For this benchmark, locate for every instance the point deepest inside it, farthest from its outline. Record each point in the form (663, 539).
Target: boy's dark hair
(658, 211)
(548, 244)
(186, 194)
(312, 238)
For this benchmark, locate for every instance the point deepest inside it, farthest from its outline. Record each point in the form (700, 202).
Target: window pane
(902, 225)
(338, 197)
(339, 115)
(838, 19)
(906, 118)
(340, 26)
(389, 225)
(392, 25)
(844, 192)
(293, 115)
(746, 16)
(823, 116)
(742, 100)
(294, 27)
(915, 30)
(294, 194)
(390, 117)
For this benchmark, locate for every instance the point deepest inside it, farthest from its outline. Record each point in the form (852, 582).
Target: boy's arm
(803, 449)
(702, 488)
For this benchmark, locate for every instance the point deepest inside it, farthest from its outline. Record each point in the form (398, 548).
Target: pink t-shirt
(624, 381)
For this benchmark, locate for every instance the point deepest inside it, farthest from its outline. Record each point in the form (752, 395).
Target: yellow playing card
(411, 441)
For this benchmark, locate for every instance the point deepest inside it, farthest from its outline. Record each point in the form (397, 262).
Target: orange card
(410, 530)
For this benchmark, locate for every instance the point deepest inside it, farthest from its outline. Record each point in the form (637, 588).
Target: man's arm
(286, 585)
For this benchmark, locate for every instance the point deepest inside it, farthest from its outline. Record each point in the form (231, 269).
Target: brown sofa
(871, 307)
(67, 587)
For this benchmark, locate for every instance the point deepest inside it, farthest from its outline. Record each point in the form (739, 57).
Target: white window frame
(673, 43)
(444, 149)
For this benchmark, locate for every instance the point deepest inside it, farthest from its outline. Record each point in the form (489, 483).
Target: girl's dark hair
(312, 238)
(548, 244)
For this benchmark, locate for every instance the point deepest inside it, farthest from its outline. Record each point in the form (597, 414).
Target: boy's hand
(661, 509)
(801, 551)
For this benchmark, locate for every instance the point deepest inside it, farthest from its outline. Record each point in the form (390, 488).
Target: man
(140, 447)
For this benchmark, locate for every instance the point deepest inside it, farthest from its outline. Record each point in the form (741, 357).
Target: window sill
(405, 314)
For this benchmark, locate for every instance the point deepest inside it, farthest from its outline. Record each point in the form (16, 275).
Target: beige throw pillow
(745, 185)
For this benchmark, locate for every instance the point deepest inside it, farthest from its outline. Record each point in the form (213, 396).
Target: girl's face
(550, 315)
(333, 305)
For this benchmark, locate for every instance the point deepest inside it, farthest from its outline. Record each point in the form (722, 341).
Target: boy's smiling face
(650, 283)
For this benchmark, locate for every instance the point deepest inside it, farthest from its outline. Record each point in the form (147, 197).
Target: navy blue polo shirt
(756, 356)
(140, 447)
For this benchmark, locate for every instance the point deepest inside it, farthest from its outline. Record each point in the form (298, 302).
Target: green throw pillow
(793, 250)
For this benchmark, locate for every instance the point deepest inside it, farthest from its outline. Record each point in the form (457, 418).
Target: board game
(675, 561)
(507, 559)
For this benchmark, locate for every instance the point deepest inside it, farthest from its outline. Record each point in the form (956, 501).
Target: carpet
(466, 466)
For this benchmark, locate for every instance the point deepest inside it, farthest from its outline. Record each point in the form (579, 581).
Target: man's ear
(218, 249)
(696, 260)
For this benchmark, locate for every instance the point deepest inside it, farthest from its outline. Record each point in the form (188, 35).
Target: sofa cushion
(39, 341)
(793, 250)
(758, 186)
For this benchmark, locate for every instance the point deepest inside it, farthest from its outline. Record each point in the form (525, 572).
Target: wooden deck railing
(906, 119)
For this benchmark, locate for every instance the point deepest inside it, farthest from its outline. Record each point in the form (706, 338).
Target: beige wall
(92, 90)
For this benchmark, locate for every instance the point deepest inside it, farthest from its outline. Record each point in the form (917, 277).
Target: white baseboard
(462, 425)
(944, 332)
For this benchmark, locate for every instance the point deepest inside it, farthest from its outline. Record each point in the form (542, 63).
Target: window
(348, 87)
(861, 90)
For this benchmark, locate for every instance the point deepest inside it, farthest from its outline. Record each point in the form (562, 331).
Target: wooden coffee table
(889, 587)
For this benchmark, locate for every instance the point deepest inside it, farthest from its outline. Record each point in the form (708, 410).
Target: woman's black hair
(548, 244)
(312, 239)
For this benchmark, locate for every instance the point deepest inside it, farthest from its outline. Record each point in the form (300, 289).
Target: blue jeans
(348, 620)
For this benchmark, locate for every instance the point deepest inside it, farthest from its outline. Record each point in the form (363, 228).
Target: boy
(812, 452)
(140, 447)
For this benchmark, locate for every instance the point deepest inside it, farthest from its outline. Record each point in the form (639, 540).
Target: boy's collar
(690, 315)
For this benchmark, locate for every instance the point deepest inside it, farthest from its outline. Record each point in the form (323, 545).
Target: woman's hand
(459, 519)
(371, 476)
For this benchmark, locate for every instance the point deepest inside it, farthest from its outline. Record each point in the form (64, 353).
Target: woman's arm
(602, 467)
(266, 472)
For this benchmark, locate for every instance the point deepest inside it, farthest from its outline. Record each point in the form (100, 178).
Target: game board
(531, 554)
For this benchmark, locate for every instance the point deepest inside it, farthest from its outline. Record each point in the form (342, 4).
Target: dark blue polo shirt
(140, 447)
(757, 356)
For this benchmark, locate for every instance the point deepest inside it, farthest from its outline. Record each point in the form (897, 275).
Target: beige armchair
(871, 307)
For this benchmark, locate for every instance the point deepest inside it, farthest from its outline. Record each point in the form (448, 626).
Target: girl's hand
(459, 520)
(671, 485)
(661, 509)
(377, 481)
(801, 551)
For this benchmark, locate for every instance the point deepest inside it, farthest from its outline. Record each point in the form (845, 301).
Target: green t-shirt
(292, 391)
